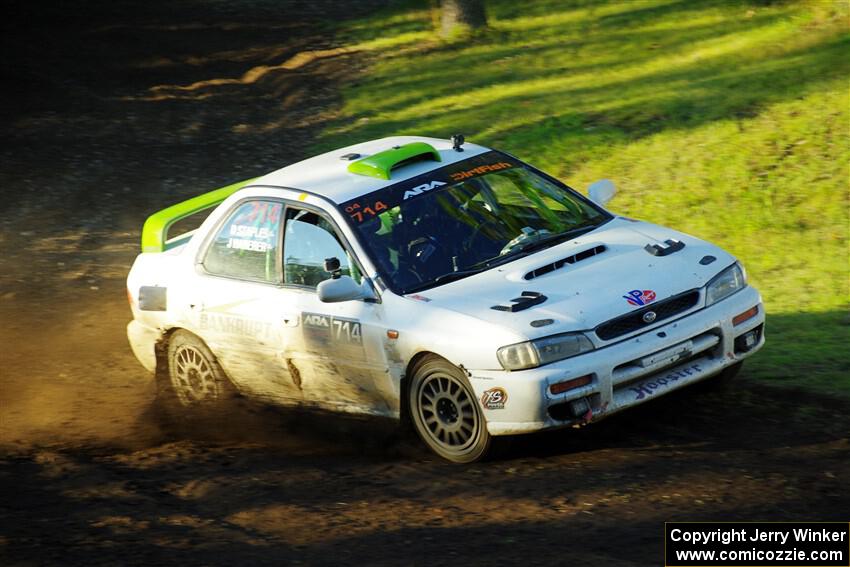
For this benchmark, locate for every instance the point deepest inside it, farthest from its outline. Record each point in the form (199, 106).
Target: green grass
(727, 120)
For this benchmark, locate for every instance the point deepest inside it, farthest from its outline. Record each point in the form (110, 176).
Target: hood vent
(558, 264)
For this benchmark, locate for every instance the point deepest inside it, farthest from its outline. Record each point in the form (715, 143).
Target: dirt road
(116, 115)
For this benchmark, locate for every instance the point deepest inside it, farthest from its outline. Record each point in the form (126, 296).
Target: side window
(246, 245)
(307, 241)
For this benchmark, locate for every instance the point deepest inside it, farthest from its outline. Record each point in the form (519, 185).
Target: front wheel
(445, 413)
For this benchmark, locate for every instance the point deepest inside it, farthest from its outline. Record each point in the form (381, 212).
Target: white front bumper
(626, 373)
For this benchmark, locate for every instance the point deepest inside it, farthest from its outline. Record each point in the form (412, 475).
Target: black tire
(446, 413)
(193, 382)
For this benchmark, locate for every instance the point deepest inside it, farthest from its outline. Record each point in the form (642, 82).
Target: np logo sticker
(638, 297)
(494, 398)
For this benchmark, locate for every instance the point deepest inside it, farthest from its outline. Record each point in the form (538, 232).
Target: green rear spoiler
(155, 231)
(382, 163)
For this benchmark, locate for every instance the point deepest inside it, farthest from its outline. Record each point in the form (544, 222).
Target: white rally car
(447, 284)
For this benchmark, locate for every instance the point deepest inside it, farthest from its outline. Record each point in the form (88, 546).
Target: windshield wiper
(446, 278)
(550, 240)
(452, 276)
(529, 247)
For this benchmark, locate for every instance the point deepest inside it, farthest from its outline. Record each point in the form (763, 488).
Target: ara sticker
(638, 297)
(494, 398)
(419, 189)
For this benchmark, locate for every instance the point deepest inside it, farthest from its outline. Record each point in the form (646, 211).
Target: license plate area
(668, 356)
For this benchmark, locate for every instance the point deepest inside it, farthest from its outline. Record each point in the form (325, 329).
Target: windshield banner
(368, 206)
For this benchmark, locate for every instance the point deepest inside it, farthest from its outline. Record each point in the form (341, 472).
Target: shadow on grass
(594, 78)
(806, 352)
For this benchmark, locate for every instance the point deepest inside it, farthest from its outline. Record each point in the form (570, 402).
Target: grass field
(728, 120)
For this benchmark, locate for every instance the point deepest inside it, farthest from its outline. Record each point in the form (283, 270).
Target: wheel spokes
(193, 376)
(446, 410)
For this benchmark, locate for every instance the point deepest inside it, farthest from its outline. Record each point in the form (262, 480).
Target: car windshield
(466, 218)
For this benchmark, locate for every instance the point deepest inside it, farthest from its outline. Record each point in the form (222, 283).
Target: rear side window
(246, 246)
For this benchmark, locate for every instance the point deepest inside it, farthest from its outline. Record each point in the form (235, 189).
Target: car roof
(327, 175)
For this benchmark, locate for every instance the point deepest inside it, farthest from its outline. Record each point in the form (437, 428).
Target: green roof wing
(155, 231)
(382, 163)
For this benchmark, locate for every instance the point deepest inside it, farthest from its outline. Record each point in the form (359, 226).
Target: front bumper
(635, 370)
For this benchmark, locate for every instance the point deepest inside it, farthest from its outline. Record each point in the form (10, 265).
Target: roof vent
(558, 264)
(382, 163)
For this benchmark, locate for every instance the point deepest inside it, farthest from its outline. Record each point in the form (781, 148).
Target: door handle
(290, 319)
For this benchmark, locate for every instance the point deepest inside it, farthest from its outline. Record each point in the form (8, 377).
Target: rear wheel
(445, 413)
(195, 381)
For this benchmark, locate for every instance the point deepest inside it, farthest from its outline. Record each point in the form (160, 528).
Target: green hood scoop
(381, 164)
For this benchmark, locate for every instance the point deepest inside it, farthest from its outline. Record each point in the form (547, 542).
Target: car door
(337, 349)
(242, 313)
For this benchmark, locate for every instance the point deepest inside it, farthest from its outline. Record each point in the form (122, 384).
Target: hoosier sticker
(650, 386)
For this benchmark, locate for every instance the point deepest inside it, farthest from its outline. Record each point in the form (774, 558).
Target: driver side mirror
(602, 191)
(343, 288)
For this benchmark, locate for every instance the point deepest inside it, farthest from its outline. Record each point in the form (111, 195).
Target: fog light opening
(748, 341)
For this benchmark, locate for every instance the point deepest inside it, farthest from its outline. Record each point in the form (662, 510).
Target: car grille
(634, 321)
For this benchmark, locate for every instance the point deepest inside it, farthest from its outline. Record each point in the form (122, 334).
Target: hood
(603, 274)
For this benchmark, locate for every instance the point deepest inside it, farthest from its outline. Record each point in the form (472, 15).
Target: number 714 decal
(333, 329)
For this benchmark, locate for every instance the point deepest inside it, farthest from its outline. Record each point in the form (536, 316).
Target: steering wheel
(420, 250)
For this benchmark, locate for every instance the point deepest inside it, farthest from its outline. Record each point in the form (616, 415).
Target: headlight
(543, 351)
(726, 283)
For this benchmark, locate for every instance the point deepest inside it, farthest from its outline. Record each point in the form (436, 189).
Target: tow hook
(581, 409)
